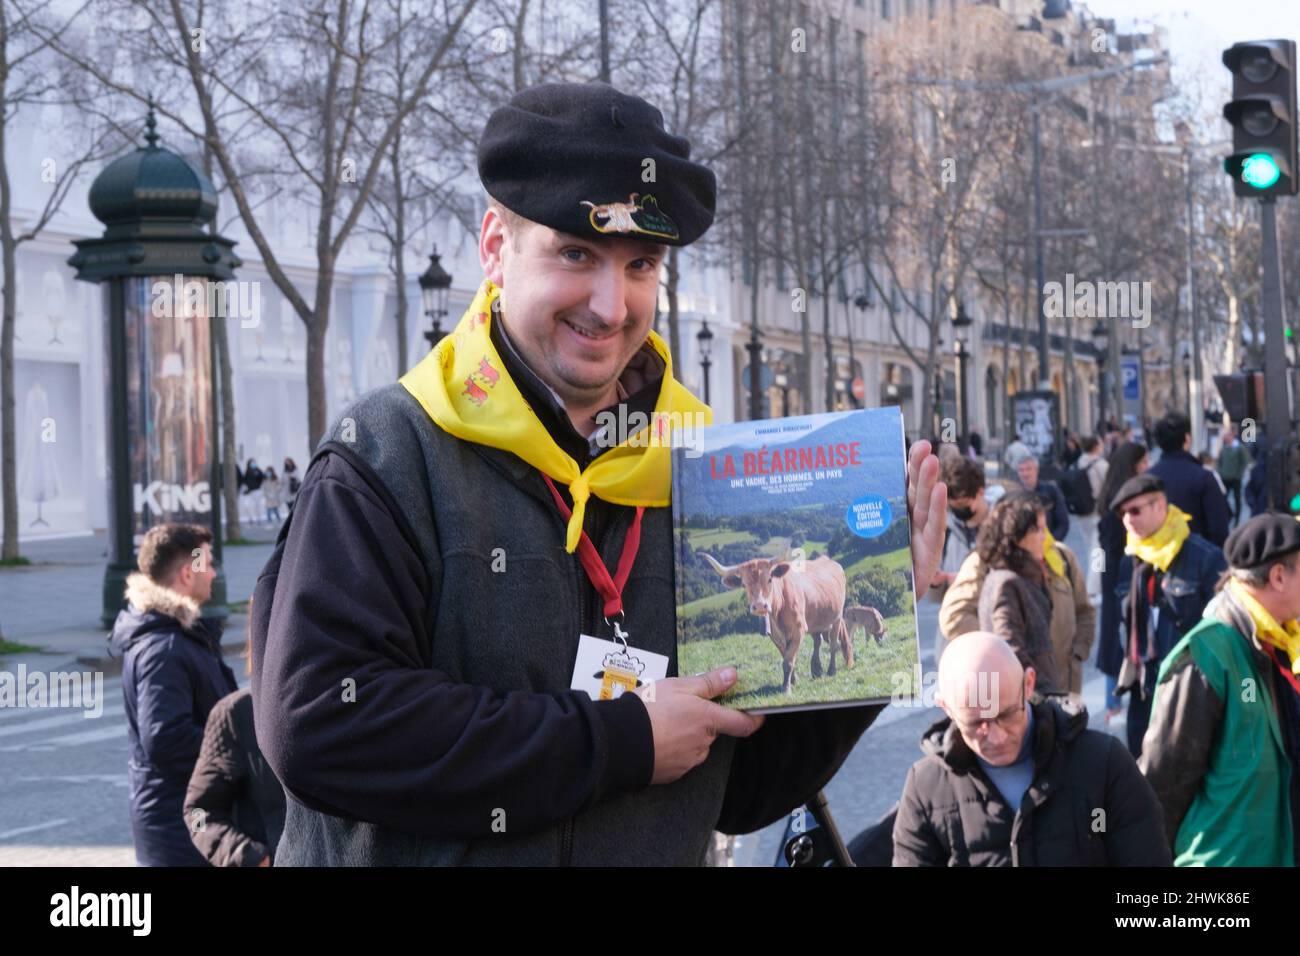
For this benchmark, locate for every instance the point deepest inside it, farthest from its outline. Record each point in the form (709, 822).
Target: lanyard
(1286, 671)
(611, 589)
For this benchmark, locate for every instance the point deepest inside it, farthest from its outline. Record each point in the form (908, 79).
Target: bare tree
(28, 80)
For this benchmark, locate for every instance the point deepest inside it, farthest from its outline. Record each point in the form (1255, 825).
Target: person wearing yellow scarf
(1167, 577)
(1284, 635)
(463, 385)
(1160, 547)
(1220, 753)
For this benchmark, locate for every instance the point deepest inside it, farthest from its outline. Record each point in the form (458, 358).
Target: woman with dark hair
(234, 804)
(1070, 454)
(253, 477)
(292, 483)
(1125, 462)
(1015, 600)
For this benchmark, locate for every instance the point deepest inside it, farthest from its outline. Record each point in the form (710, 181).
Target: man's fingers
(919, 452)
(927, 476)
(733, 723)
(711, 683)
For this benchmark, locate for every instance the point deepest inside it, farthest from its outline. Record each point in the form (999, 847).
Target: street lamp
(961, 323)
(782, 381)
(434, 285)
(1100, 342)
(755, 372)
(156, 262)
(705, 340)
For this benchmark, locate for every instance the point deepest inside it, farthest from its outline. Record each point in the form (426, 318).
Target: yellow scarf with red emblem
(463, 385)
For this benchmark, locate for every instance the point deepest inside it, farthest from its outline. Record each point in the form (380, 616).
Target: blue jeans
(1112, 702)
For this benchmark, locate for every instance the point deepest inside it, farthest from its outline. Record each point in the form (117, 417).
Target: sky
(1199, 30)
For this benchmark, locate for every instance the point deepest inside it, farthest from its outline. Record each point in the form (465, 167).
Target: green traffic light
(1295, 504)
(1260, 171)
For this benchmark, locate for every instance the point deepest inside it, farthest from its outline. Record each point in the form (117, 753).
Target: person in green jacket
(1232, 465)
(1224, 739)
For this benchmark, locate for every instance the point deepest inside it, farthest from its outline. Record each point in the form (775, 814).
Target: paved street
(63, 790)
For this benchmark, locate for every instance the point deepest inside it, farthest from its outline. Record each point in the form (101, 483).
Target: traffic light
(1292, 500)
(1263, 117)
(1242, 394)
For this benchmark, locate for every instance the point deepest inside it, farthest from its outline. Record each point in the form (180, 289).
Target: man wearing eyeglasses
(1008, 783)
(1166, 578)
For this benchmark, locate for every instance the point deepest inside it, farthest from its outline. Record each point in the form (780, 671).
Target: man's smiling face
(577, 309)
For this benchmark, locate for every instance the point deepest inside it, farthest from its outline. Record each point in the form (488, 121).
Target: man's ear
(1031, 678)
(491, 241)
(942, 704)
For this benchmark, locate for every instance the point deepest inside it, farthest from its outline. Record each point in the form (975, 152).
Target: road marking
(6, 834)
(44, 722)
(69, 740)
(116, 779)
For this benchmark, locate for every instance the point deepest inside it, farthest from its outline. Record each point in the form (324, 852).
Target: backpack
(1076, 486)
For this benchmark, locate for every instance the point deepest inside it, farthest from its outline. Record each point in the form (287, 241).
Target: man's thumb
(712, 683)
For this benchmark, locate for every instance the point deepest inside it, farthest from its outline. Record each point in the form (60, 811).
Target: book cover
(793, 559)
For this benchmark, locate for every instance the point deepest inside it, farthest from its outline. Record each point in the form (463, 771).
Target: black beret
(571, 156)
(1137, 485)
(1263, 539)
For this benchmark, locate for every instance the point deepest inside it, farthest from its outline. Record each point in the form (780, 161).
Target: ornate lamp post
(435, 282)
(705, 339)
(1101, 343)
(165, 279)
(961, 323)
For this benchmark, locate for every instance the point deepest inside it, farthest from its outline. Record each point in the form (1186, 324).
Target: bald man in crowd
(1005, 782)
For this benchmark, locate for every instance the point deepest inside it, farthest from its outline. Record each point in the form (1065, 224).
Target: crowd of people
(1193, 622)
(263, 491)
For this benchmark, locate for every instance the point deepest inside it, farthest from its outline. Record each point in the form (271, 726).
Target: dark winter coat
(1019, 610)
(952, 814)
(172, 677)
(232, 791)
(1183, 592)
(1193, 488)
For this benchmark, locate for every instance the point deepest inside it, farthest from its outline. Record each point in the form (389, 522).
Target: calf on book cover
(793, 559)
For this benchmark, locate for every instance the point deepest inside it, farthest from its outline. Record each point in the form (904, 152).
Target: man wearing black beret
(1224, 742)
(1166, 577)
(455, 541)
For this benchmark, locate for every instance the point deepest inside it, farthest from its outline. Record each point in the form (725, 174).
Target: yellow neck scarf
(1284, 636)
(1052, 555)
(463, 385)
(1161, 547)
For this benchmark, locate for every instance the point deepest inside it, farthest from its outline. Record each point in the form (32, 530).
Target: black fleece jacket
(443, 749)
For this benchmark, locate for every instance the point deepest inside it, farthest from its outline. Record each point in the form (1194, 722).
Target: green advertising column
(166, 279)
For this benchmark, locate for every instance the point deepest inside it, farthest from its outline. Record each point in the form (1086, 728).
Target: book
(793, 560)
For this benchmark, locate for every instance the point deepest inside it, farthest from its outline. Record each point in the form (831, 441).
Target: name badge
(608, 669)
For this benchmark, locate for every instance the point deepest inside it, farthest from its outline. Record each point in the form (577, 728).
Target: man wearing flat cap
(1166, 578)
(460, 535)
(1224, 742)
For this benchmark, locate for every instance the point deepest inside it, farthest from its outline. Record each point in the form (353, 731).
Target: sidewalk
(54, 603)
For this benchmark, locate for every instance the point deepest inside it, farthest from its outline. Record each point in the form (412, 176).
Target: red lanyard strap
(1286, 671)
(611, 589)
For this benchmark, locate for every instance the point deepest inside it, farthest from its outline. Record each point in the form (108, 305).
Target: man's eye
(570, 254)
(646, 265)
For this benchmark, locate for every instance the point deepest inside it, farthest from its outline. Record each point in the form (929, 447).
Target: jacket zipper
(587, 612)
